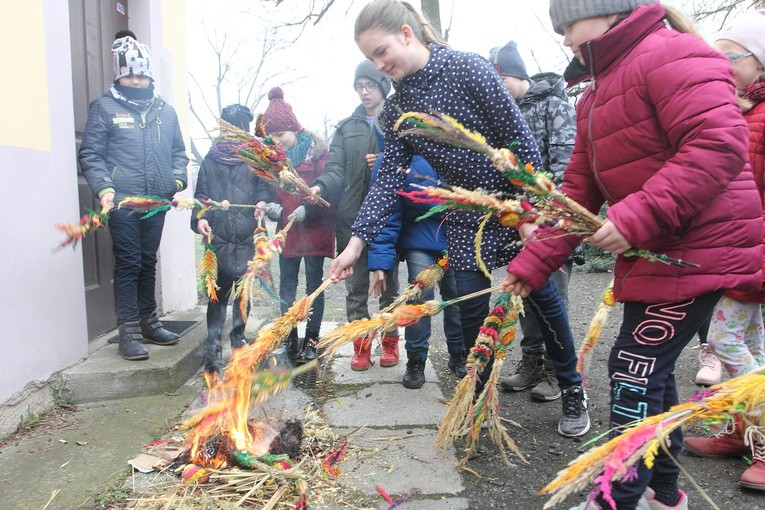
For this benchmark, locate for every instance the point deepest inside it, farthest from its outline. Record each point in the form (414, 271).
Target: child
(223, 176)
(132, 145)
(543, 103)
(420, 244)
(736, 332)
(312, 236)
(666, 148)
(347, 180)
(393, 35)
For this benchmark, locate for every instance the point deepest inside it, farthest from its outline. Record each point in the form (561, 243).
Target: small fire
(223, 428)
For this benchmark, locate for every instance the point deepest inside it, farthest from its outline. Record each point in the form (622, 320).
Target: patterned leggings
(736, 335)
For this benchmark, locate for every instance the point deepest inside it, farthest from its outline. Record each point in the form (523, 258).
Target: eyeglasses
(733, 58)
(369, 87)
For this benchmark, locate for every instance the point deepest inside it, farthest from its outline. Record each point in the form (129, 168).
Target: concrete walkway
(73, 460)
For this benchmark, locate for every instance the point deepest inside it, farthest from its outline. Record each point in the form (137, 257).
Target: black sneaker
(575, 421)
(414, 377)
(457, 365)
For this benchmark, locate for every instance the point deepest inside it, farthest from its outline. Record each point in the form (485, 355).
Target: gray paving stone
(387, 405)
(431, 504)
(399, 461)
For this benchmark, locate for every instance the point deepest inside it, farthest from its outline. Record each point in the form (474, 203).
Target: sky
(318, 67)
(316, 70)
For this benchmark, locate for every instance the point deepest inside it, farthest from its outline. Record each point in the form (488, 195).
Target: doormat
(178, 327)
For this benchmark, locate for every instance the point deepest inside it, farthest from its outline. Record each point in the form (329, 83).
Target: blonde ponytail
(390, 16)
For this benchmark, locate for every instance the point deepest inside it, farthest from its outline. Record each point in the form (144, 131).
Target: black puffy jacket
(133, 154)
(232, 229)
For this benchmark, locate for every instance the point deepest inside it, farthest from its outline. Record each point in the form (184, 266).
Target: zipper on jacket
(594, 162)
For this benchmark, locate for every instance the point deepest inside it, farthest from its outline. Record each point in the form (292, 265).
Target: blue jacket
(403, 232)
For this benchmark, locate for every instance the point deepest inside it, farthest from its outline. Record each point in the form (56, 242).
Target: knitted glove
(298, 214)
(273, 211)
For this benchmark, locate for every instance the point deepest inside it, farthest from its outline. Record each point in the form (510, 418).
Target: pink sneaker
(711, 369)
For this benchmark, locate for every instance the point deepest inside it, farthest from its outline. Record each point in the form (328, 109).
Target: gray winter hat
(508, 62)
(748, 31)
(367, 70)
(564, 12)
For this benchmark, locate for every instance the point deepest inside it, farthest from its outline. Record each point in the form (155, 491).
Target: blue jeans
(533, 342)
(546, 302)
(289, 268)
(418, 335)
(135, 243)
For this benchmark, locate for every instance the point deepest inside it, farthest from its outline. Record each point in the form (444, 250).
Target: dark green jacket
(347, 177)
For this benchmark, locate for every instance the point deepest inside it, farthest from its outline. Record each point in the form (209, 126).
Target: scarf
(223, 151)
(299, 152)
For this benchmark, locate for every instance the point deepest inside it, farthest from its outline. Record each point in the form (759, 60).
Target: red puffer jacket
(755, 117)
(316, 234)
(661, 139)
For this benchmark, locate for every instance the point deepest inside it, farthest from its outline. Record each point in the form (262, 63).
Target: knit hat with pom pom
(278, 116)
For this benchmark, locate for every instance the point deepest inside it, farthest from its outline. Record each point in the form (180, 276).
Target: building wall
(42, 299)
(42, 309)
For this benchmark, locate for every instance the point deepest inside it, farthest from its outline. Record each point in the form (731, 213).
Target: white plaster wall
(161, 25)
(42, 300)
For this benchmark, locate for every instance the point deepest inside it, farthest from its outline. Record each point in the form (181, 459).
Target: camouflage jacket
(552, 121)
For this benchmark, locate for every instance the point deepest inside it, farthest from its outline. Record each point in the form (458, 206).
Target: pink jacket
(661, 139)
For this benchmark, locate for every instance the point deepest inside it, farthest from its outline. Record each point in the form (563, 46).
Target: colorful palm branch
(741, 398)
(466, 412)
(592, 336)
(90, 222)
(258, 274)
(400, 316)
(208, 270)
(536, 183)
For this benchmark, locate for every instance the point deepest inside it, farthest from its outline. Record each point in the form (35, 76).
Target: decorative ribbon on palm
(465, 412)
(258, 274)
(91, 221)
(400, 316)
(592, 336)
(537, 184)
(739, 399)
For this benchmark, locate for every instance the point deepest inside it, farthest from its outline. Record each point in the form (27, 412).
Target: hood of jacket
(545, 85)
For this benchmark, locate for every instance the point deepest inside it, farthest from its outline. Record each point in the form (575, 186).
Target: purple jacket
(661, 139)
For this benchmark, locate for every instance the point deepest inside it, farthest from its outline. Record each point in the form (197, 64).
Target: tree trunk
(431, 9)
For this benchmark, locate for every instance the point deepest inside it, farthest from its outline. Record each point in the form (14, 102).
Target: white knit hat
(748, 31)
(130, 58)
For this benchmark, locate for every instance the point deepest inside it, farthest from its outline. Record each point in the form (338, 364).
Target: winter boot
(727, 443)
(308, 353)
(154, 333)
(414, 377)
(389, 356)
(754, 476)
(131, 347)
(293, 346)
(711, 369)
(457, 364)
(527, 374)
(362, 354)
(548, 389)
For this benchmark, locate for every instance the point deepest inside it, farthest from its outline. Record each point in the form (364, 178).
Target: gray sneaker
(575, 421)
(527, 374)
(547, 390)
